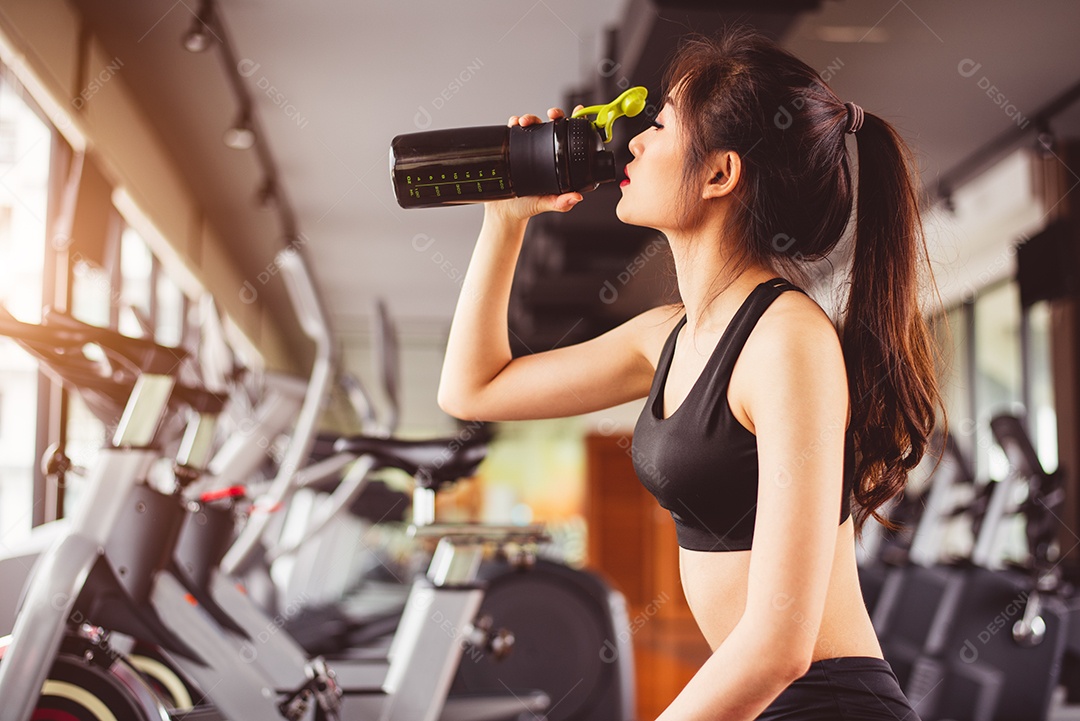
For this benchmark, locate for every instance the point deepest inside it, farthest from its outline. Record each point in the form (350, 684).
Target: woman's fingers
(552, 113)
(526, 207)
(556, 113)
(523, 120)
(566, 201)
(558, 203)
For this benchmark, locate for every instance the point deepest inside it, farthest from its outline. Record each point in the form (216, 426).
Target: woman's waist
(854, 645)
(715, 587)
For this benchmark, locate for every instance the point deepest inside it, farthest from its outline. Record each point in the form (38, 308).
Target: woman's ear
(726, 169)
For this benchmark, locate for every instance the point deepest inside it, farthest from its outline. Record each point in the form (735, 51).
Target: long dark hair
(742, 92)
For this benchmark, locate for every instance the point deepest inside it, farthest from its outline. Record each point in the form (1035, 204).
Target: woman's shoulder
(797, 313)
(793, 349)
(795, 328)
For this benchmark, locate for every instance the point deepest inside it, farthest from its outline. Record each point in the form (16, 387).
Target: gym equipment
(94, 569)
(337, 629)
(980, 638)
(920, 511)
(559, 617)
(200, 623)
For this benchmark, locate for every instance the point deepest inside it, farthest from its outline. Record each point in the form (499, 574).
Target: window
(951, 336)
(151, 304)
(1042, 417)
(131, 279)
(171, 309)
(5, 228)
(90, 294)
(984, 372)
(9, 140)
(145, 302)
(84, 438)
(997, 371)
(25, 149)
(136, 289)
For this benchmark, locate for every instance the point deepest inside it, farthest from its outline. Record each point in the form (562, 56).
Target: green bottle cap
(630, 103)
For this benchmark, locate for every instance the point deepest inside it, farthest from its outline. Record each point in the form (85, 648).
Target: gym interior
(227, 486)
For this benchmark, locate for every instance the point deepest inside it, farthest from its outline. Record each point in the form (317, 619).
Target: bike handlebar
(58, 343)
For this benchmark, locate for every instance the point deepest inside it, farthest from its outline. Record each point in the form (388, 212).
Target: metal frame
(54, 586)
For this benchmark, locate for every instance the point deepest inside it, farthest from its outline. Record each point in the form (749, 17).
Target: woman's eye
(655, 124)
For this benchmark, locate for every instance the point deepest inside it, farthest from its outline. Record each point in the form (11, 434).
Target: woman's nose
(636, 146)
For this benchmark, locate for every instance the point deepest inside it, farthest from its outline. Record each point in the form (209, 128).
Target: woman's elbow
(795, 665)
(790, 660)
(784, 657)
(781, 667)
(448, 401)
(456, 403)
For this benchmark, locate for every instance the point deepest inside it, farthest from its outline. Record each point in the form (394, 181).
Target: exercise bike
(156, 596)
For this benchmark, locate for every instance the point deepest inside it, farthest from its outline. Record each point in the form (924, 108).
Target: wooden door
(631, 540)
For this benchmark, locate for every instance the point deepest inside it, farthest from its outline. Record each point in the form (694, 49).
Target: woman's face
(651, 192)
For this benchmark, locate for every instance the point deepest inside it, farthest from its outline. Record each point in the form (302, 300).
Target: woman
(747, 436)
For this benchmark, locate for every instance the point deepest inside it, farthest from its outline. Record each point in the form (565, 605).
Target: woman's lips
(626, 180)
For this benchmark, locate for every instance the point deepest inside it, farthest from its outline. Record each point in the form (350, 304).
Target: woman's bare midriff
(715, 587)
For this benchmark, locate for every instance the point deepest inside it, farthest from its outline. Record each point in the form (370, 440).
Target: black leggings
(848, 688)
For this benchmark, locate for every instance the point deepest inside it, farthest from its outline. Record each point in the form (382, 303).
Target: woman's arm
(797, 400)
(480, 380)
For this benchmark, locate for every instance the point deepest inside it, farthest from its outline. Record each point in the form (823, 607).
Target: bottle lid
(630, 103)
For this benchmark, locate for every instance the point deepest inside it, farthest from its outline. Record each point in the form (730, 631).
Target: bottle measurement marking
(452, 185)
(454, 180)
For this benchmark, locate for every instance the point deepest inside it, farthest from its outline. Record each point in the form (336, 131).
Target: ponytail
(887, 344)
(752, 96)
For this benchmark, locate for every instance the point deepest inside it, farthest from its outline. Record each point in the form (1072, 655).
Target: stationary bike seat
(432, 462)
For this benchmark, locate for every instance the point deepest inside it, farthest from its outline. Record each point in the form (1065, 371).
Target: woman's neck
(705, 263)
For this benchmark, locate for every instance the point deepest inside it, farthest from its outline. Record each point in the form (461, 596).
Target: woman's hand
(518, 209)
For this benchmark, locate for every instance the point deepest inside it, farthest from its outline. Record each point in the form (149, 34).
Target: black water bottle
(472, 165)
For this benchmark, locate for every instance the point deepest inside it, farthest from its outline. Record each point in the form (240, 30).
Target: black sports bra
(701, 464)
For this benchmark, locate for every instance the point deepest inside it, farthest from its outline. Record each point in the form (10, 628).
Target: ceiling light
(266, 198)
(199, 36)
(949, 203)
(241, 135)
(852, 34)
(1045, 140)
